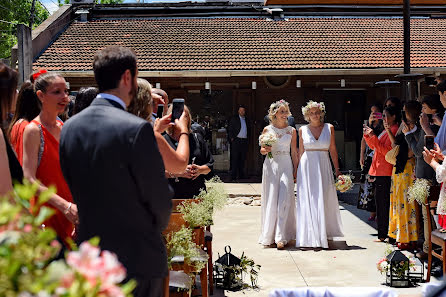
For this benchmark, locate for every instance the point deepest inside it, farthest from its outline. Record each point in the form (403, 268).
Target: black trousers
(382, 199)
(238, 157)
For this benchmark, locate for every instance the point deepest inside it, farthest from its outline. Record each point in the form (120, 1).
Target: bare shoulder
(31, 131)
(330, 126)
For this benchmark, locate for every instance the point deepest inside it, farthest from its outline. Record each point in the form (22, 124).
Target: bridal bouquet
(268, 139)
(419, 191)
(344, 183)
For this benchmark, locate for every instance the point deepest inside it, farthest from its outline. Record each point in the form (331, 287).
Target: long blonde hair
(141, 105)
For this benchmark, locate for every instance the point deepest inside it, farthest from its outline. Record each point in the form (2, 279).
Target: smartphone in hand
(429, 141)
(378, 115)
(403, 116)
(177, 108)
(159, 111)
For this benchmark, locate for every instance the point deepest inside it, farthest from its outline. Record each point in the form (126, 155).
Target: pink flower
(113, 271)
(55, 244)
(27, 228)
(87, 262)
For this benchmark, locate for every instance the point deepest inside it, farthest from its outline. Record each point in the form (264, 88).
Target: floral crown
(276, 105)
(312, 104)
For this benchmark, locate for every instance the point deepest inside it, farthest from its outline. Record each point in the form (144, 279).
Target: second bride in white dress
(278, 200)
(318, 216)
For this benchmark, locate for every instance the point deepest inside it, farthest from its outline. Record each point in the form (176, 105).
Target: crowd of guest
(393, 155)
(115, 162)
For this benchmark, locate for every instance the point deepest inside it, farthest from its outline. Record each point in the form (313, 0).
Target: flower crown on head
(312, 104)
(277, 104)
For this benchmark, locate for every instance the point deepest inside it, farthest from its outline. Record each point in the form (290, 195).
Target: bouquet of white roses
(418, 191)
(268, 139)
(344, 183)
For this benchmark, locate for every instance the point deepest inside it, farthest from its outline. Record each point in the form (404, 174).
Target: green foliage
(27, 251)
(62, 2)
(25, 248)
(199, 214)
(235, 274)
(13, 12)
(181, 243)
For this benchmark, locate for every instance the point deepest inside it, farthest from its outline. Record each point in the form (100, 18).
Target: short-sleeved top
(185, 188)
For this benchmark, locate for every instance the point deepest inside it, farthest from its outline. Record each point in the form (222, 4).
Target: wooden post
(25, 58)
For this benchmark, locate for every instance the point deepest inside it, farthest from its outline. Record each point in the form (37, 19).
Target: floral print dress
(403, 215)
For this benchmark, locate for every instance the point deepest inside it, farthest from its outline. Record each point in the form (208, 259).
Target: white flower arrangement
(419, 191)
(313, 104)
(268, 139)
(344, 183)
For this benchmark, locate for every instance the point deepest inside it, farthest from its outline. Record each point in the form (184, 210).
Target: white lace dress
(317, 207)
(441, 178)
(278, 200)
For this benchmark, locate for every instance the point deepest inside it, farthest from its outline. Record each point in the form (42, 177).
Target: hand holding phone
(177, 108)
(403, 116)
(160, 110)
(429, 141)
(378, 115)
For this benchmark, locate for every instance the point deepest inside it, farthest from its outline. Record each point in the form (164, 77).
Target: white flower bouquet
(268, 139)
(344, 183)
(419, 191)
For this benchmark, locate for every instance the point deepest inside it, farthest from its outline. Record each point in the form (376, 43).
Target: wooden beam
(354, 2)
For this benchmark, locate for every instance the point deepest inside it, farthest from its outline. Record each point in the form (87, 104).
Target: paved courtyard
(351, 261)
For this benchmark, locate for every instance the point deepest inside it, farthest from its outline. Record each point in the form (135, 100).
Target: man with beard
(115, 172)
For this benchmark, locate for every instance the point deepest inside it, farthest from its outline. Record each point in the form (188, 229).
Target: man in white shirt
(238, 132)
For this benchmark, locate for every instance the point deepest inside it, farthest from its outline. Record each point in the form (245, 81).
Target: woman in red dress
(27, 108)
(41, 153)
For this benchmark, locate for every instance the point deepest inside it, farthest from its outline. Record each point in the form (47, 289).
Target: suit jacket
(111, 162)
(235, 126)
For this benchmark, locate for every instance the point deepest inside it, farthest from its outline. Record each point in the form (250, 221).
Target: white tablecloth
(334, 292)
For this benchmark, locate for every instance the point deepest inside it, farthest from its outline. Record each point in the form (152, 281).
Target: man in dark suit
(111, 162)
(238, 132)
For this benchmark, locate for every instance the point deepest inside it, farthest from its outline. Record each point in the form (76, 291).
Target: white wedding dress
(318, 215)
(278, 200)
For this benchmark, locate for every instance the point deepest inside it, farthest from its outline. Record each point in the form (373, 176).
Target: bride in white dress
(318, 216)
(278, 200)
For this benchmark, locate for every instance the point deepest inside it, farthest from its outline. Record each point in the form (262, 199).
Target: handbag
(392, 154)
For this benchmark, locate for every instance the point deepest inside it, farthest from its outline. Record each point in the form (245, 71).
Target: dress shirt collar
(112, 98)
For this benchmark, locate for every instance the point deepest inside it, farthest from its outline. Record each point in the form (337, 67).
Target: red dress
(16, 138)
(49, 173)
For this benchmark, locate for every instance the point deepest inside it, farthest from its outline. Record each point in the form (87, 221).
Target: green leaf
(128, 287)
(94, 241)
(44, 213)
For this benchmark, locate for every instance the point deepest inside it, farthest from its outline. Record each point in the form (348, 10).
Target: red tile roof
(251, 44)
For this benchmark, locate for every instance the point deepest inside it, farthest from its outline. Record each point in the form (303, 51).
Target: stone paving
(350, 261)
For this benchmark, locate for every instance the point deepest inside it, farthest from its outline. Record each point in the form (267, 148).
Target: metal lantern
(225, 272)
(416, 273)
(397, 274)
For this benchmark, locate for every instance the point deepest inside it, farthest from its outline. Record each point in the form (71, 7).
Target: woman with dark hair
(393, 101)
(10, 169)
(366, 192)
(380, 169)
(41, 153)
(84, 98)
(189, 183)
(27, 108)
(403, 214)
(414, 135)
